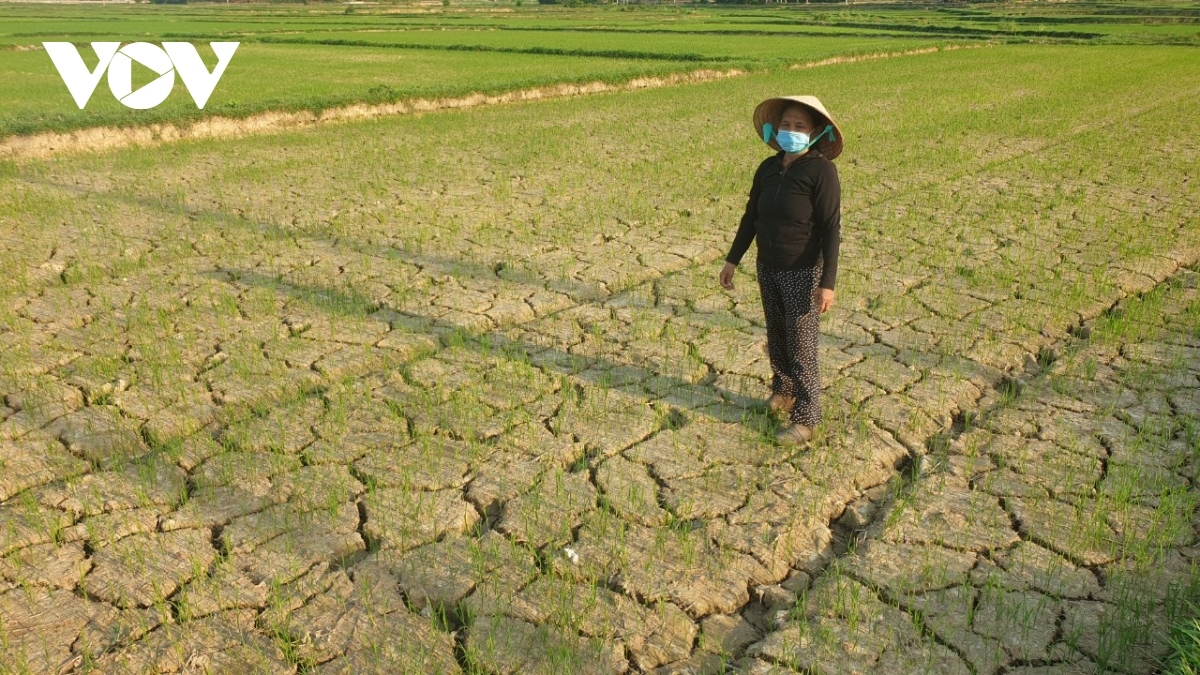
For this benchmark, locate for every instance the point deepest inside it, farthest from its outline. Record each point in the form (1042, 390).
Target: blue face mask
(795, 142)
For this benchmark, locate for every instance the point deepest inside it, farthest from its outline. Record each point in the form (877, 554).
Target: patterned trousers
(793, 323)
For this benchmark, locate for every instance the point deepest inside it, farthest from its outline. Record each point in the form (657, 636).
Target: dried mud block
(701, 443)
(1047, 465)
(58, 566)
(629, 489)
(406, 345)
(143, 569)
(1012, 422)
(506, 384)
(340, 447)
(605, 420)
(680, 566)
(195, 449)
(287, 596)
(105, 528)
(1081, 533)
(845, 629)
(213, 506)
(1164, 355)
(1024, 622)
(551, 510)
(546, 301)
(289, 555)
(347, 631)
(99, 434)
(223, 588)
(41, 627)
(948, 513)
(496, 482)
(441, 574)
(507, 646)
(402, 519)
(180, 418)
(905, 419)
(1155, 582)
(429, 463)
(352, 360)
(42, 390)
(712, 665)
(25, 522)
(1185, 401)
(498, 594)
(730, 351)
(715, 492)
(947, 613)
(728, 635)
(861, 458)
(285, 430)
(669, 455)
(282, 542)
(150, 483)
(1009, 483)
(929, 658)
(1080, 666)
(1029, 566)
(462, 416)
(261, 383)
(776, 546)
(652, 635)
(315, 487)
(1081, 432)
(1141, 481)
(28, 462)
(905, 569)
(442, 374)
(831, 480)
(246, 532)
(249, 471)
(1144, 529)
(886, 373)
(1097, 628)
(776, 500)
(942, 397)
(222, 643)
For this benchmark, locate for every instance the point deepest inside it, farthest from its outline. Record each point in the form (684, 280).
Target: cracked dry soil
(261, 447)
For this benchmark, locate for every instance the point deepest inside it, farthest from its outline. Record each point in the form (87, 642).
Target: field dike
(100, 139)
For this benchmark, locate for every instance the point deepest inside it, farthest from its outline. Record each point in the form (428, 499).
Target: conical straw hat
(771, 109)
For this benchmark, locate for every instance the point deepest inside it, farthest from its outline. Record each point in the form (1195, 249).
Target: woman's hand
(824, 298)
(726, 276)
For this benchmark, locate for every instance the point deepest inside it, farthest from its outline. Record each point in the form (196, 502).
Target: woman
(794, 212)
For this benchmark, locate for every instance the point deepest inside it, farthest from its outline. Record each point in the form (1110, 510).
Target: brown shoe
(777, 403)
(794, 435)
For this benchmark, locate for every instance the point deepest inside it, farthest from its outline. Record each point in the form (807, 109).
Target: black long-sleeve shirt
(795, 215)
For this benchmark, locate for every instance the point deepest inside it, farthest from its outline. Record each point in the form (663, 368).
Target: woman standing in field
(794, 212)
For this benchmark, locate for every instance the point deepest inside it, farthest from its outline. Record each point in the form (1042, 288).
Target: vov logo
(172, 57)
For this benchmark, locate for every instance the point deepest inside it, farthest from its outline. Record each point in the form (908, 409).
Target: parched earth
(230, 445)
(1056, 534)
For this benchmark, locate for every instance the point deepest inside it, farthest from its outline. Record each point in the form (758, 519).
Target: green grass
(261, 78)
(1184, 658)
(338, 58)
(746, 50)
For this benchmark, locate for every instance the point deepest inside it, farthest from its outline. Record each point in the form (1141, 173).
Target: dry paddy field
(459, 391)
